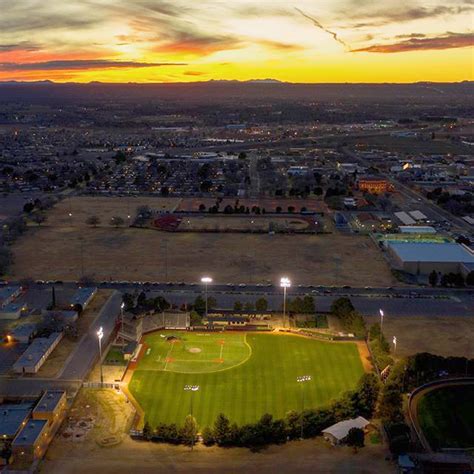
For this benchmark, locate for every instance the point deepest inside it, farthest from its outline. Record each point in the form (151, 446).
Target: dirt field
(110, 416)
(149, 255)
(105, 208)
(259, 223)
(446, 336)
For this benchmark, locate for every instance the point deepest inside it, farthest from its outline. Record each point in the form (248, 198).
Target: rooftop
(36, 350)
(49, 401)
(82, 295)
(11, 418)
(30, 433)
(432, 252)
(7, 292)
(341, 430)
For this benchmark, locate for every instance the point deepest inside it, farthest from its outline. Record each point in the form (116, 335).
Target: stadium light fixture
(206, 280)
(284, 283)
(302, 379)
(100, 335)
(191, 388)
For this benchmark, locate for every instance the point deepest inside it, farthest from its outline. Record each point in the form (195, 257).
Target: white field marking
(222, 349)
(168, 356)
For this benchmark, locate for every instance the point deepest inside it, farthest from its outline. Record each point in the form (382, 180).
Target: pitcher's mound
(194, 350)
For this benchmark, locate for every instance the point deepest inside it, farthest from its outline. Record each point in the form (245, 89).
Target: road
(87, 351)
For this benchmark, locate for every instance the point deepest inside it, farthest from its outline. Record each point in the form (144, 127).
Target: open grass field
(243, 375)
(150, 255)
(447, 417)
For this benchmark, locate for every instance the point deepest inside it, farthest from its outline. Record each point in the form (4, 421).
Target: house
(336, 434)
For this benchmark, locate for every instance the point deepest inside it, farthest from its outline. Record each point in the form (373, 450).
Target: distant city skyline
(182, 41)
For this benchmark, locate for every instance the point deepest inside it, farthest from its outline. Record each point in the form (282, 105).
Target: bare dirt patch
(149, 255)
(445, 336)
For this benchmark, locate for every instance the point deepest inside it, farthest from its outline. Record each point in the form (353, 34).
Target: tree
(38, 217)
(261, 304)
(237, 306)
(207, 436)
(433, 278)
(94, 221)
(248, 306)
(355, 438)
(202, 207)
(117, 221)
(147, 431)
(366, 394)
(291, 209)
(28, 207)
(470, 278)
(195, 318)
(189, 431)
(242, 155)
(222, 430)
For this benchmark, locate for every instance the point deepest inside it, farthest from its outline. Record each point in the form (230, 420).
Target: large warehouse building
(423, 258)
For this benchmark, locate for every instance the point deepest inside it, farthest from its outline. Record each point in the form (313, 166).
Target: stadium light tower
(206, 280)
(302, 379)
(122, 306)
(100, 335)
(381, 318)
(284, 283)
(191, 388)
(394, 344)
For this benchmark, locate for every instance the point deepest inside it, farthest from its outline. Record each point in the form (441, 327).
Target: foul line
(168, 357)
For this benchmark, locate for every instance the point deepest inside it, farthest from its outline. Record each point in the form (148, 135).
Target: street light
(381, 318)
(100, 335)
(284, 283)
(122, 306)
(302, 379)
(394, 344)
(206, 280)
(191, 388)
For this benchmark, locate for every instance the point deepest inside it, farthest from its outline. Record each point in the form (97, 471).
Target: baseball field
(242, 375)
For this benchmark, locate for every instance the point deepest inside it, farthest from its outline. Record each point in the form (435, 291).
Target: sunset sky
(199, 40)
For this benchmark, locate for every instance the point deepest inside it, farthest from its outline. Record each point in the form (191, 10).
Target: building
(51, 406)
(417, 229)
(31, 442)
(12, 419)
(336, 434)
(82, 298)
(228, 320)
(418, 216)
(8, 294)
(24, 332)
(30, 430)
(11, 311)
(375, 185)
(423, 258)
(404, 218)
(37, 353)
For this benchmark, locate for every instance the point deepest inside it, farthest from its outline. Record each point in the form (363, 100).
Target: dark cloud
(21, 46)
(317, 24)
(380, 17)
(278, 45)
(81, 64)
(448, 41)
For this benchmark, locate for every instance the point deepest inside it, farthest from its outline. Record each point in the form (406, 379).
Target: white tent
(336, 433)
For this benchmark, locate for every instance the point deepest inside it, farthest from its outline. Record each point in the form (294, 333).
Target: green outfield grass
(241, 375)
(447, 417)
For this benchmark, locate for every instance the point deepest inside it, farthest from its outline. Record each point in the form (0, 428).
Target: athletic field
(242, 375)
(447, 417)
